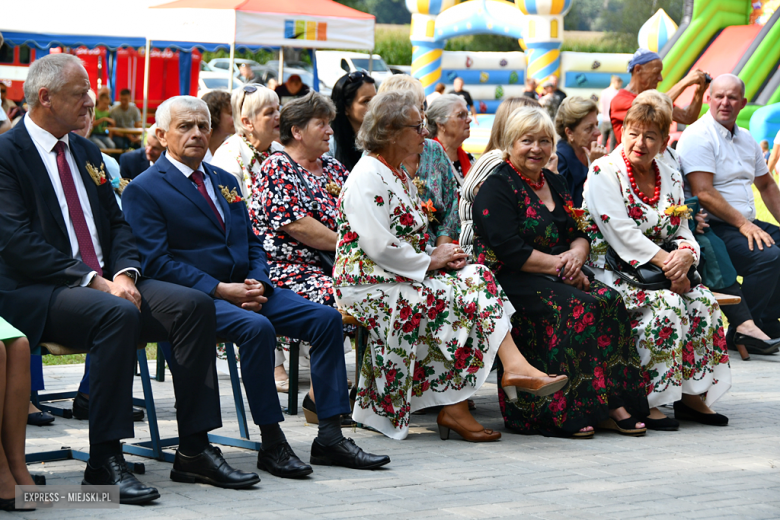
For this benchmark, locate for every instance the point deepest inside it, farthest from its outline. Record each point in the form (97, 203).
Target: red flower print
(408, 327)
(491, 288)
(485, 212)
(530, 212)
(406, 219)
(440, 305)
(470, 309)
(579, 327)
(665, 333)
(379, 200)
(405, 313)
(635, 213)
(588, 319)
(390, 376)
(577, 312)
(416, 319)
(605, 218)
(674, 220)
(419, 373)
(473, 369)
(549, 330)
(688, 355)
(604, 341)
(432, 313)
(431, 299)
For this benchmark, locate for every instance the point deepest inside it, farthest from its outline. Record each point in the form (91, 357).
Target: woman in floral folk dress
(525, 230)
(434, 323)
(431, 172)
(635, 201)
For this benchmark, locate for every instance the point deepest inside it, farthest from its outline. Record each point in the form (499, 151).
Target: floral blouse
(280, 200)
(620, 219)
(435, 180)
(389, 242)
(240, 158)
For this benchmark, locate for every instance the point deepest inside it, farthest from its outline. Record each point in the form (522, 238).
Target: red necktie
(197, 176)
(84, 238)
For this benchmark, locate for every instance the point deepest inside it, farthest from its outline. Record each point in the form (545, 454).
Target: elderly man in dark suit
(132, 164)
(70, 273)
(194, 230)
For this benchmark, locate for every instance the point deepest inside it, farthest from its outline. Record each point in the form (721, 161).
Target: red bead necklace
(535, 185)
(398, 173)
(656, 194)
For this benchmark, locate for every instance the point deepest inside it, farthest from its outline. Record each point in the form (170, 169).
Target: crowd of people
(580, 269)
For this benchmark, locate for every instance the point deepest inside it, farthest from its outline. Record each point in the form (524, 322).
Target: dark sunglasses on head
(248, 89)
(356, 76)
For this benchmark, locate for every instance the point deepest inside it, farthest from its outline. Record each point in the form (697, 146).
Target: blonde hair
(651, 108)
(250, 104)
(572, 111)
(505, 109)
(403, 82)
(525, 120)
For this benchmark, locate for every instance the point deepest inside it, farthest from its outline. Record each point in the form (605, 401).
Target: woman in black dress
(526, 230)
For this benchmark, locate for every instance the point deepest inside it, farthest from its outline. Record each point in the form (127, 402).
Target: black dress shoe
(81, 409)
(686, 413)
(346, 453)
(281, 461)
(115, 472)
(210, 467)
(757, 346)
(39, 418)
(667, 424)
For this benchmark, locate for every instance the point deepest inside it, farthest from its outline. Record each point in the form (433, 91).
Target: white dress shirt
(734, 159)
(44, 143)
(187, 171)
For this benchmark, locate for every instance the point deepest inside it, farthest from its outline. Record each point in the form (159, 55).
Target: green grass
(77, 359)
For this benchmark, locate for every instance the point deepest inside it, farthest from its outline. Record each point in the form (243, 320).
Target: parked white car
(215, 80)
(331, 65)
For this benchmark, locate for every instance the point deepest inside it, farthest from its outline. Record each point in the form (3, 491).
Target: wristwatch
(133, 275)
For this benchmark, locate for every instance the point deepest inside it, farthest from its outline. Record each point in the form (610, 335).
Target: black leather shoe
(115, 472)
(686, 413)
(81, 409)
(39, 418)
(667, 424)
(757, 346)
(346, 453)
(210, 467)
(281, 461)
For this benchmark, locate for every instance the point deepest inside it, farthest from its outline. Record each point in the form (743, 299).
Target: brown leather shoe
(539, 386)
(447, 423)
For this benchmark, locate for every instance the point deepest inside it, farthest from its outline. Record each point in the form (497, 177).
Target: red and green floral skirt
(585, 335)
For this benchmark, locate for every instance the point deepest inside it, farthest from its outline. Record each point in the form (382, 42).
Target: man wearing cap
(645, 68)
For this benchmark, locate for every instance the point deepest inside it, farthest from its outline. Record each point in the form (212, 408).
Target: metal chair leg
(292, 388)
(160, 364)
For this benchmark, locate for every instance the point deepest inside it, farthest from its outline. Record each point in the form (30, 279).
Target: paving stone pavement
(697, 472)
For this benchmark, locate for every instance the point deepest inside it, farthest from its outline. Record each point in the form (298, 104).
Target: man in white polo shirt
(722, 162)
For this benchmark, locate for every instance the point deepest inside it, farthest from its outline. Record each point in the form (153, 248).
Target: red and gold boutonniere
(429, 210)
(333, 188)
(98, 175)
(682, 211)
(578, 214)
(231, 196)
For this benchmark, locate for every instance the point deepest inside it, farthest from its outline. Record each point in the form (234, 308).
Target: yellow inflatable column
(543, 35)
(426, 53)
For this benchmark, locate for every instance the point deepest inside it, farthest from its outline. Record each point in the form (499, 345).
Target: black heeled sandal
(756, 346)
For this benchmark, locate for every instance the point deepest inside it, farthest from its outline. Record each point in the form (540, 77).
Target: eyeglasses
(462, 115)
(248, 89)
(419, 126)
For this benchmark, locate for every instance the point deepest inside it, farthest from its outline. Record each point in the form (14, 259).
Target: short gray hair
(49, 73)
(403, 82)
(249, 104)
(386, 117)
(163, 114)
(440, 110)
(300, 111)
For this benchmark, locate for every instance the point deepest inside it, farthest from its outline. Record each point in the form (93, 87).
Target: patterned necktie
(197, 176)
(84, 238)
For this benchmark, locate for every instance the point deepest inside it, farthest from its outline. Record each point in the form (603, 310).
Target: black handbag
(647, 276)
(327, 258)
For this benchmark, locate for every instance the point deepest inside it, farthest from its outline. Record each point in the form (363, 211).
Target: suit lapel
(40, 176)
(80, 158)
(187, 188)
(222, 201)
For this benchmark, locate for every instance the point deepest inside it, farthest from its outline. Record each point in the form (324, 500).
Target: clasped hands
(247, 295)
(122, 286)
(569, 269)
(676, 267)
(448, 255)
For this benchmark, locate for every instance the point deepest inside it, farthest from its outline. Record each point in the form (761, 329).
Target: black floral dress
(558, 328)
(279, 200)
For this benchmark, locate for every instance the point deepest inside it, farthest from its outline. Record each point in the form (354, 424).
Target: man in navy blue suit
(193, 229)
(70, 273)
